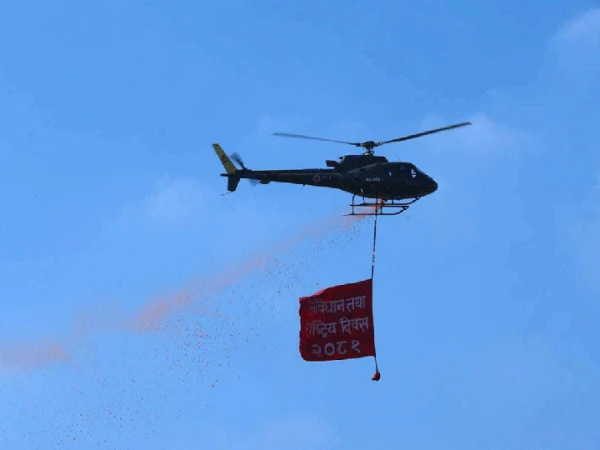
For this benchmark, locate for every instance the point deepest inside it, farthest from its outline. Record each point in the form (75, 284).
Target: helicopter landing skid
(394, 208)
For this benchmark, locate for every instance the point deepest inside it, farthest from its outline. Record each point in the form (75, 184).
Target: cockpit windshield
(416, 172)
(409, 170)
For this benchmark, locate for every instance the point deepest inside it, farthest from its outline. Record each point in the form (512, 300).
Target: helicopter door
(389, 182)
(403, 175)
(398, 179)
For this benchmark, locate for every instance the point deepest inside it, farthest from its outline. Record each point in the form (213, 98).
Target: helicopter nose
(433, 186)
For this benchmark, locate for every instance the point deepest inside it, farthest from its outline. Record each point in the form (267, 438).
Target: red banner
(337, 323)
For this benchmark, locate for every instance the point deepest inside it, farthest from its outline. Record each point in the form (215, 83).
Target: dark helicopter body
(366, 176)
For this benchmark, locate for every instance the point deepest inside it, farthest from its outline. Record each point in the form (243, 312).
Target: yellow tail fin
(227, 164)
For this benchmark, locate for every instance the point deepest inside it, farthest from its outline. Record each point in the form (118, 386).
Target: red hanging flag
(336, 323)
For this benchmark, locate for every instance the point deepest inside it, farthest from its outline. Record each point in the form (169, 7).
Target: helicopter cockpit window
(417, 172)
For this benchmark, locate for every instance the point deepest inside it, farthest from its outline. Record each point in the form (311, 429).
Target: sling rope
(374, 244)
(377, 375)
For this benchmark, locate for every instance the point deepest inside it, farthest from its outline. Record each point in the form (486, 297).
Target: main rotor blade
(370, 145)
(425, 133)
(301, 136)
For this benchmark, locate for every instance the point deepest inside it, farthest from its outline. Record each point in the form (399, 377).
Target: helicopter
(390, 184)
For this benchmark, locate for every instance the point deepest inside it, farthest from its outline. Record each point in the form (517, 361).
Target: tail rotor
(235, 157)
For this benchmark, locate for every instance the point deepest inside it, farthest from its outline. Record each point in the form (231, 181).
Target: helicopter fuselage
(366, 176)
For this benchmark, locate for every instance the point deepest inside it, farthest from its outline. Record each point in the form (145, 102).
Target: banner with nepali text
(336, 323)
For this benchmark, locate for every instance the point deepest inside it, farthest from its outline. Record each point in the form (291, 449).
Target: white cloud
(584, 28)
(289, 433)
(485, 136)
(582, 234)
(574, 52)
(172, 202)
(176, 200)
(296, 432)
(573, 74)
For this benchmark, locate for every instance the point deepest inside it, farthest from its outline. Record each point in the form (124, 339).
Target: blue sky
(486, 293)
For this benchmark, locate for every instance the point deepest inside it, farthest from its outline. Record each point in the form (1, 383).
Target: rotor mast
(369, 147)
